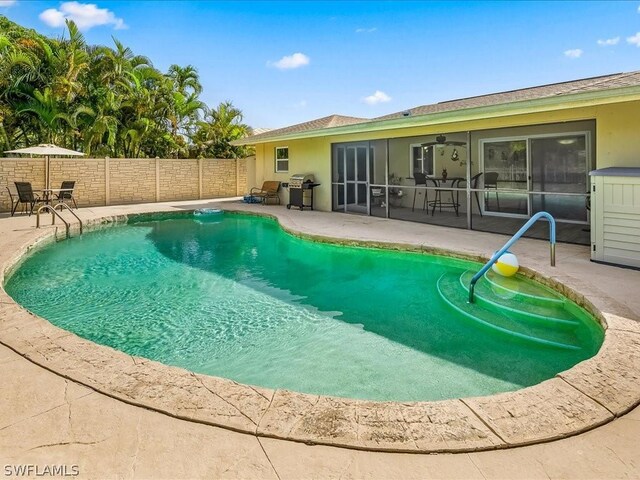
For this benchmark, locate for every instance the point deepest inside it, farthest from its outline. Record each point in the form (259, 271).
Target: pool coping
(588, 395)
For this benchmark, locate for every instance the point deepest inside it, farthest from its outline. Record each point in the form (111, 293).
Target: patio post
(469, 202)
(386, 182)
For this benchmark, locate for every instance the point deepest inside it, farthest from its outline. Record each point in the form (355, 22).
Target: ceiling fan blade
(447, 143)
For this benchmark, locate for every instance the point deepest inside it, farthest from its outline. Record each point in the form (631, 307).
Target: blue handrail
(514, 239)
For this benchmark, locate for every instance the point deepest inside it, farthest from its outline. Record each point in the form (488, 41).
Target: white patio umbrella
(47, 150)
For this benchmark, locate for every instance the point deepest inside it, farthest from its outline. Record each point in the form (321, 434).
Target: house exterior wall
(615, 142)
(311, 155)
(618, 141)
(116, 181)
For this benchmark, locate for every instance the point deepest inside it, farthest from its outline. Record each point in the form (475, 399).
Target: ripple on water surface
(239, 298)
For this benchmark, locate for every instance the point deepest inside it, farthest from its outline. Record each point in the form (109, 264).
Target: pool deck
(46, 419)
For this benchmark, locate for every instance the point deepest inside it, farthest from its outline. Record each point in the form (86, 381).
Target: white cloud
(296, 60)
(52, 17)
(378, 97)
(573, 53)
(300, 104)
(366, 30)
(7, 3)
(85, 15)
(609, 41)
(634, 40)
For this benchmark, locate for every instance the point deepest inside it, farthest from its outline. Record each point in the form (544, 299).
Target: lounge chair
(26, 197)
(268, 190)
(66, 192)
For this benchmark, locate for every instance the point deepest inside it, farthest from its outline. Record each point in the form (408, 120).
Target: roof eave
(559, 102)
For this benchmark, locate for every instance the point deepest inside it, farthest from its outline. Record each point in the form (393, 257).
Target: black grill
(301, 191)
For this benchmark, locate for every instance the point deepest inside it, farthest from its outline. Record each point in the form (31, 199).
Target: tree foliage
(106, 101)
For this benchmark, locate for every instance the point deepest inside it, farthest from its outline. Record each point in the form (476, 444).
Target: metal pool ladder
(55, 214)
(514, 239)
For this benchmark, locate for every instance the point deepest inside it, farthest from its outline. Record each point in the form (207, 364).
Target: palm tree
(69, 62)
(221, 126)
(106, 100)
(185, 79)
(48, 111)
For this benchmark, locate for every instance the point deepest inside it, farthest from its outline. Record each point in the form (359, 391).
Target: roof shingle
(605, 82)
(317, 124)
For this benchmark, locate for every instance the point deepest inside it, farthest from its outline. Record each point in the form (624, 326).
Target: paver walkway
(47, 420)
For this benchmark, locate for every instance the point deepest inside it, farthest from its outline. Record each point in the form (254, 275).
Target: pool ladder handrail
(514, 239)
(55, 214)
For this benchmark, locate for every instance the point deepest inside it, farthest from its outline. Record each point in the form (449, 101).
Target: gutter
(557, 102)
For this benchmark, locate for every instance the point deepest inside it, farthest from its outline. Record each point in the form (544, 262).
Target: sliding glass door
(505, 177)
(523, 176)
(559, 168)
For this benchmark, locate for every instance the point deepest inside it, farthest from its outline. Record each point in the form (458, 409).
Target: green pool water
(235, 296)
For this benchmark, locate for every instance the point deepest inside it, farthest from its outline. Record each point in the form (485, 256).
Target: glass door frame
(528, 191)
(344, 184)
(525, 192)
(588, 167)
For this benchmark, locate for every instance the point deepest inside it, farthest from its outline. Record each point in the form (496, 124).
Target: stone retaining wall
(118, 181)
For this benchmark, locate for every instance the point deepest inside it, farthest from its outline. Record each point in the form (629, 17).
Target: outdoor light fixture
(454, 155)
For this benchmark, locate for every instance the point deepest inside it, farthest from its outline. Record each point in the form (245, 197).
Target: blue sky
(361, 58)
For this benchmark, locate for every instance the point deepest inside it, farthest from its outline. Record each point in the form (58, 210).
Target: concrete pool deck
(611, 290)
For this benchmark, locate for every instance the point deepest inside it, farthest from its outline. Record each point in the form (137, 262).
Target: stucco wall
(117, 181)
(618, 138)
(305, 156)
(615, 142)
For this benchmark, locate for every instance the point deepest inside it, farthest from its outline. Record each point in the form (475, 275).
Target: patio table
(47, 193)
(441, 182)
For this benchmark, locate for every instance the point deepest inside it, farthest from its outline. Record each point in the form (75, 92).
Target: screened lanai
(487, 180)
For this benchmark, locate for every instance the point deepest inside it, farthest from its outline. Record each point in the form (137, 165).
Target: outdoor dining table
(441, 182)
(48, 193)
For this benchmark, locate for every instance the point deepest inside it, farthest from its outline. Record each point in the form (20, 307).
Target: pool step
(512, 322)
(545, 310)
(527, 290)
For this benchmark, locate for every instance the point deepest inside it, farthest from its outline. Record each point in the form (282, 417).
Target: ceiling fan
(442, 141)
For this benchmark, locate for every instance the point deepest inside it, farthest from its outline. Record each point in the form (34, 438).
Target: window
(421, 159)
(282, 159)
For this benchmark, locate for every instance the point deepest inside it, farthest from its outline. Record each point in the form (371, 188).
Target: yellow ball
(507, 265)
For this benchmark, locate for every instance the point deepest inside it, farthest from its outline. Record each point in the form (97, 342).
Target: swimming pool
(237, 297)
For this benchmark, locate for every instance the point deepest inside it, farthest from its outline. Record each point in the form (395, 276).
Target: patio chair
(474, 184)
(26, 197)
(420, 179)
(268, 190)
(66, 192)
(491, 181)
(13, 198)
